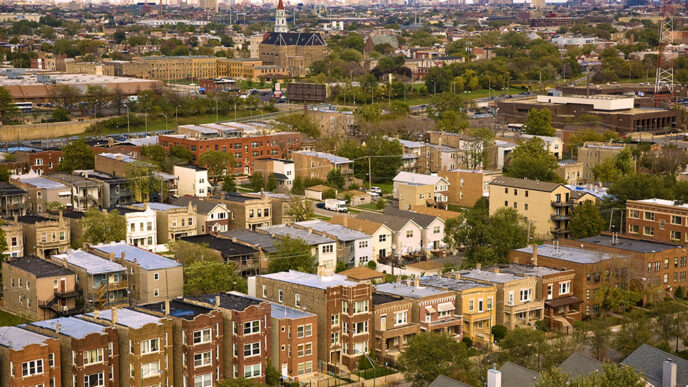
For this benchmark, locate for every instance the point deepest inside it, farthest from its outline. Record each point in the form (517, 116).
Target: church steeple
(281, 18)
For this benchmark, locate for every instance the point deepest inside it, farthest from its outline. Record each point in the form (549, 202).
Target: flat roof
(342, 233)
(89, 262)
(490, 276)
(144, 258)
(264, 241)
(293, 232)
(17, 338)
(39, 267)
(178, 308)
(404, 290)
(223, 245)
(310, 280)
(229, 300)
(129, 318)
(450, 283)
(41, 182)
(525, 270)
(157, 206)
(281, 312)
(33, 219)
(640, 246)
(381, 298)
(71, 326)
(583, 256)
(334, 159)
(664, 202)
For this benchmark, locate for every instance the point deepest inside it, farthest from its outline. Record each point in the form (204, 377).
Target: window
(93, 356)
(150, 346)
(252, 349)
(252, 371)
(362, 244)
(51, 360)
(382, 238)
(360, 327)
(409, 233)
(525, 295)
(360, 306)
(305, 368)
(205, 380)
(635, 214)
(335, 319)
(150, 370)
(328, 248)
(334, 338)
(33, 367)
(676, 219)
(361, 347)
(94, 380)
(648, 230)
(250, 213)
(297, 300)
(345, 307)
(304, 350)
(401, 318)
(156, 292)
(633, 228)
(252, 327)
(511, 297)
(436, 230)
(280, 295)
(304, 331)
(676, 235)
(480, 305)
(265, 291)
(526, 206)
(565, 287)
(149, 226)
(489, 300)
(649, 215)
(471, 305)
(202, 336)
(156, 276)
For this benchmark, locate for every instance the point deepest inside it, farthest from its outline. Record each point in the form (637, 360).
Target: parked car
(320, 205)
(377, 190)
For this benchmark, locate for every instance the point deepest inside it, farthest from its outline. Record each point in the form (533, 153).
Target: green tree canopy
(538, 122)
(7, 108)
(612, 169)
(335, 179)
(292, 254)
(586, 221)
(430, 354)
(300, 209)
(203, 277)
(217, 163)
(101, 227)
(612, 375)
(76, 155)
(532, 160)
(524, 346)
(300, 122)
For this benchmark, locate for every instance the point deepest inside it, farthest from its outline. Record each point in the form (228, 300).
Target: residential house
(85, 193)
(518, 303)
(14, 237)
(354, 248)
(393, 325)
(246, 259)
(266, 244)
(104, 283)
(29, 359)
(432, 234)
(381, 234)
(39, 289)
(41, 191)
(173, 222)
(198, 338)
(343, 308)
(316, 165)
(658, 368)
(467, 185)
(294, 343)
(406, 234)
(115, 191)
(324, 249)
(592, 154)
(282, 206)
(578, 365)
(44, 236)
(553, 145)
(121, 165)
(571, 171)
(40, 161)
(152, 277)
(474, 301)
(93, 350)
(145, 346)
(283, 170)
(211, 216)
(142, 226)
(413, 189)
(193, 180)
(13, 201)
(250, 211)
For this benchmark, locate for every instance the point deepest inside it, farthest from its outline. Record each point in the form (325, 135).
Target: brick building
(39, 161)
(316, 165)
(468, 185)
(29, 359)
(343, 308)
(294, 348)
(295, 51)
(393, 325)
(658, 220)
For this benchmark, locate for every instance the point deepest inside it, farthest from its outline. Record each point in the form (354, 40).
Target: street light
(165, 115)
(434, 85)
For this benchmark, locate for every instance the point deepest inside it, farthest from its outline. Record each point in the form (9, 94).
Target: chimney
(496, 270)
(416, 282)
(58, 327)
(535, 255)
(408, 281)
(122, 255)
(669, 369)
(234, 239)
(399, 279)
(114, 316)
(217, 300)
(479, 266)
(119, 157)
(310, 230)
(96, 313)
(167, 307)
(494, 378)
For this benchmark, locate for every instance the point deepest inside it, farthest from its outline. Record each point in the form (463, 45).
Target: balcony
(560, 204)
(560, 218)
(559, 231)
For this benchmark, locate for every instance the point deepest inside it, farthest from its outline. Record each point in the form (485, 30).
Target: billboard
(307, 92)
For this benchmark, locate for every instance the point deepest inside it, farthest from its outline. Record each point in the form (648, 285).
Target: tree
(499, 332)
(181, 155)
(4, 174)
(612, 375)
(228, 184)
(76, 155)
(532, 160)
(203, 277)
(299, 209)
(102, 227)
(599, 337)
(538, 122)
(669, 320)
(524, 346)
(157, 155)
(64, 95)
(636, 329)
(7, 108)
(292, 254)
(335, 179)
(97, 95)
(298, 188)
(369, 113)
(257, 180)
(586, 221)
(430, 354)
(141, 182)
(300, 122)
(59, 115)
(240, 382)
(217, 162)
(187, 253)
(553, 378)
(612, 169)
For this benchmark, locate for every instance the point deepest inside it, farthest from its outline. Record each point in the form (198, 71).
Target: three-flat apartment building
(28, 359)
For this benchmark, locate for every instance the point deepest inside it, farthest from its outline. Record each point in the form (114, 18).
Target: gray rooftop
(17, 338)
(71, 326)
(74, 180)
(342, 233)
(407, 291)
(570, 254)
(395, 223)
(264, 241)
(526, 270)
(515, 375)
(649, 361)
(580, 365)
(202, 206)
(310, 280)
(424, 220)
(42, 182)
(490, 276)
(334, 159)
(444, 381)
(144, 258)
(279, 312)
(129, 318)
(89, 262)
(296, 233)
(450, 283)
(635, 245)
(157, 206)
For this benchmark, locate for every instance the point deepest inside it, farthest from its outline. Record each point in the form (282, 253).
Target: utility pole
(370, 175)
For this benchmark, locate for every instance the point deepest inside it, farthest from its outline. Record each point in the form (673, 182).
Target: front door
(334, 357)
(383, 323)
(63, 285)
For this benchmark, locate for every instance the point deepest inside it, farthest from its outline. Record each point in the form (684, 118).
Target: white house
(142, 230)
(323, 248)
(283, 170)
(353, 247)
(380, 233)
(192, 180)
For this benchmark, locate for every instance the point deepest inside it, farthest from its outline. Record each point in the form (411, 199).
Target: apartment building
(43, 236)
(237, 68)
(282, 206)
(93, 350)
(323, 248)
(13, 201)
(193, 180)
(342, 307)
(104, 283)
(145, 346)
(406, 234)
(467, 185)
(173, 222)
(211, 216)
(434, 310)
(40, 161)
(250, 211)
(41, 191)
(151, 277)
(592, 154)
(116, 191)
(14, 237)
(283, 170)
(530, 199)
(171, 68)
(474, 301)
(316, 165)
(517, 303)
(381, 234)
(354, 248)
(39, 289)
(142, 226)
(294, 343)
(29, 359)
(657, 219)
(446, 152)
(246, 259)
(84, 193)
(247, 327)
(198, 340)
(415, 189)
(393, 325)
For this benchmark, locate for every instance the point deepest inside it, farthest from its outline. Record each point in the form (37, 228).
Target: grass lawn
(377, 372)
(385, 187)
(369, 206)
(482, 93)
(7, 319)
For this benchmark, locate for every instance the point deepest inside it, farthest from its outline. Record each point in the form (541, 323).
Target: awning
(430, 202)
(559, 302)
(429, 309)
(446, 307)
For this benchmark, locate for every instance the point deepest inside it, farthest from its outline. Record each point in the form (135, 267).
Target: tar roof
(144, 258)
(518, 376)
(7, 189)
(570, 254)
(381, 298)
(636, 245)
(233, 301)
(342, 233)
(178, 308)
(223, 245)
(649, 361)
(71, 326)
(490, 276)
(17, 338)
(297, 233)
(74, 180)
(407, 291)
(41, 182)
(129, 318)
(264, 241)
(89, 262)
(310, 280)
(157, 206)
(33, 219)
(450, 283)
(39, 267)
(535, 185)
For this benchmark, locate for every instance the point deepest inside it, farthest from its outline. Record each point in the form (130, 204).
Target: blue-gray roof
(310, 280)
(407, 291)
(649, 361)
(490, 276)
(583, 256)
(284, 312)
(42, 182)
(334, 159)
(296, 233)
(129, 318)
(71, 326)
(157, 206)
(91, 263)
(114, 156)
(17, 338)
(450, 283)
(342, 233)
(144, 258)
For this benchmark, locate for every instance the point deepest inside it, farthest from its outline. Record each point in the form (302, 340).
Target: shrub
(499, 332)
(467, 341)
(541, 325)
(680, 292)
(372, 265)
(329, 194)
